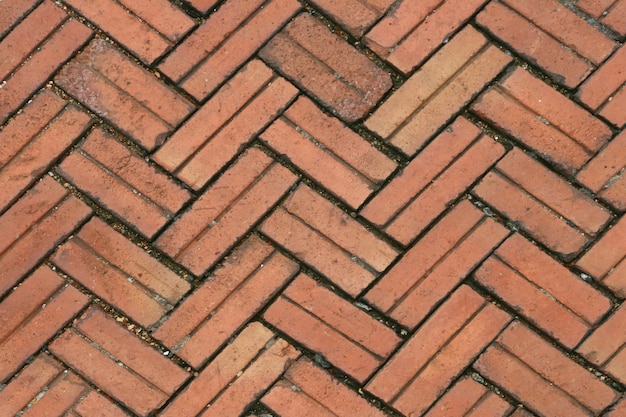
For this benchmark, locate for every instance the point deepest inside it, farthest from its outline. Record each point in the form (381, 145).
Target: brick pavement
(312, 208)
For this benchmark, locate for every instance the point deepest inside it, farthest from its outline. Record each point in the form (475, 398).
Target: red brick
(327, 67)
(616, 17)
(437, 91)
(446, 256)
(558, 60)
(117, 381)
(213, 115)
(96, 405)
(219, 62)
(613, 111)
(437, 359)
(605, 81)
(130, 97)
(541, 289)
(318, 336)
(608, 339)
(203, 5)
(222, 146)
(618, 409)
(329, 240)
(53, 223)
(229, 312)
(444, 188)
(523, 106)
(131, 32)
(421, 171)
(257, 184)
(27, 384)
(41, 325)
(128, 349)
(531, 358)
(11, 11)
(594, 7)
(469, 398)
(219, 373)
(29, 33)
(354, 15)
(423, 29)
(163, 16)
(254, 381)
(47, 58)
(37, 151)
(329, 152)
(61, 395)
(306, 390)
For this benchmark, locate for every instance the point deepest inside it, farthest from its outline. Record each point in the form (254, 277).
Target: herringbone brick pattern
(285, 208)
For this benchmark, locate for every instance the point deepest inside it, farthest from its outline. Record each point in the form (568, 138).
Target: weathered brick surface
(609, 12)
(327, 67)
(354, 15)
(432, 96)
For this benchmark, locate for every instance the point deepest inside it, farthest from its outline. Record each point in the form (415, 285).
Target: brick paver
(275, 208)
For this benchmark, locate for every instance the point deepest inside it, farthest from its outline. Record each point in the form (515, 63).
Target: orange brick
(255, 183)
(306, 388)
(238, 45)
(525, 371)
(605, 82)
(203, 5)
(432, 96)
(96, 405)
(42, 323)
(469, 398)
(52, 218)
(130, 97)
(343, 249)
(354, 15)
(131, 32)
(329, 152)
(44, 61)
(614, 108)
(562, 63)
(27, 384)
(218, 374)
(562, 304)
(437, 359)
(62, 393)
(231, 311)
(616, 17)
(618, 409)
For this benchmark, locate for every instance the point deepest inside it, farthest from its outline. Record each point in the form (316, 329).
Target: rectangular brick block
(437, 176)
(221, 371)
(609, 12)
(329, 240)
(226, 211)
(249, 102)
(161, 15)
(11, 11)
(543, 204)
(118, 90)
(225, 41)
(524, 107)
(346, 336)
(604, 174)
(31, 380)
(471, 399)
(326, 66)
(606, 261)
(413, 30)
(61, 395)
(354, 15)
(436, 264)
(567, 54)
(434, 94)
(541, 377)
(32, 314)
(419, 373)
(120, 272)
(96, 405)
(231, 296)
(37, 222)
(123, 182)
(59, 45)
(539, 288)
(329, 152)
(34, 139)
(118, 363)
(306, 387)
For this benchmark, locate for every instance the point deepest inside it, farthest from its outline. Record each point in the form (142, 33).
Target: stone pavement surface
(312, 208)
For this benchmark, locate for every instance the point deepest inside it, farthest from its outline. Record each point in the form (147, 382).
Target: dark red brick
(327, 67)
(435, 93)
(438, 352)
(329, 152)
(413, 30)
(329, 240)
